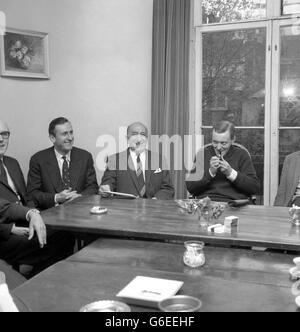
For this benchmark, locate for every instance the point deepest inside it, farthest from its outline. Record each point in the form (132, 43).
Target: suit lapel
(75, 168)
(14, 175)
(148, 171)
(54, 172)
(132, 172)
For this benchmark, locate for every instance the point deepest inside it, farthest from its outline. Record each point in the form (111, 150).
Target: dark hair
(56, 122)
(224, 126)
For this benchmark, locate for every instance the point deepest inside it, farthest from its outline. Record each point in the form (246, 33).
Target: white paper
(6, 302)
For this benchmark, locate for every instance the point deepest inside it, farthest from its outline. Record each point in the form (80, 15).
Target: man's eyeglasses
(5, 134)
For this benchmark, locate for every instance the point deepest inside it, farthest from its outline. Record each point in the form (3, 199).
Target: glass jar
(194, 254)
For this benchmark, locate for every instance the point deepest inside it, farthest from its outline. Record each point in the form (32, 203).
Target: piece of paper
(115, 193)
(6, 302)
(147, 291)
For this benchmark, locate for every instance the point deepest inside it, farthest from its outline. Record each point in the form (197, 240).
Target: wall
(100, 55)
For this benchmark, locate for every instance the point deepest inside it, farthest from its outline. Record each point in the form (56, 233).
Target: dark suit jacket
(44, 178)
(158, 181)
(290, 177)
(10, 213)
(8, 194)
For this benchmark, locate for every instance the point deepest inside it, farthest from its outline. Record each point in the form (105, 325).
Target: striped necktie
(66, 174)
(140, 177)
(3, 174)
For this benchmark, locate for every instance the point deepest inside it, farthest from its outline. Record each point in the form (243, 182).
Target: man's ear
(52, 138)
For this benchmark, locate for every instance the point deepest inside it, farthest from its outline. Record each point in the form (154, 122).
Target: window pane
(253, 141)
(219, 11)
(290, 78)
(234, 65)
(291, 7)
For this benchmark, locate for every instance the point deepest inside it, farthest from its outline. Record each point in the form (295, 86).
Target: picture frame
(24, 53)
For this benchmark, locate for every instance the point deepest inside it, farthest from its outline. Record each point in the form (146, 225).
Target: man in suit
(132, 171)
(289, 189)
(61, 173)
(14, 245)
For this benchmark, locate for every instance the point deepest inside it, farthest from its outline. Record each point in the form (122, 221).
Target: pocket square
(158, 171)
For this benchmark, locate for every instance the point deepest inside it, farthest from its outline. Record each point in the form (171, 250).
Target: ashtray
(297, 300)
(295, 273)
(98, 210)
(106, 306)
(180, 303)
(297, 262)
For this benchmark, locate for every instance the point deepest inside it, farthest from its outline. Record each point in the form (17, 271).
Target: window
(247, 71)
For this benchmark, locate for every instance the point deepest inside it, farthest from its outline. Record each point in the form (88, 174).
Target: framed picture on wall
(24, 54)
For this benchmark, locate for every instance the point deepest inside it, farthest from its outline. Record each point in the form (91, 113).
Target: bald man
(137, 171)
(15, 246)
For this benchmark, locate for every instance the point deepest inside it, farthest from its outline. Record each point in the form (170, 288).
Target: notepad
(145, 291)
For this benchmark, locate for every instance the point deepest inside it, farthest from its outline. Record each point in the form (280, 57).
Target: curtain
(170, 75)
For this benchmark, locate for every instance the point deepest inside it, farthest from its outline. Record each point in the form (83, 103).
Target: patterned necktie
(140, 177)
(66, 174)
(3, 174)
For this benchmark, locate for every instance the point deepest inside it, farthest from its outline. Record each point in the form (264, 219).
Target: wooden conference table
(259, 226)
(233, 279)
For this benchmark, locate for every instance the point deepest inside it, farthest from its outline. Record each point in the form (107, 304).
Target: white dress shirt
(60, 160)
(142, 158)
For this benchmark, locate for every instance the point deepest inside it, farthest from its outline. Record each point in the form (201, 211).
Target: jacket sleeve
(166, 191)
(247, 180)
(199, 178)
(282, 189)
(110, 175)
(35, 187)
(91, 186)
(10, 214)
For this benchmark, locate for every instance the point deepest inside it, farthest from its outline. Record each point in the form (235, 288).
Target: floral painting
(24, 54)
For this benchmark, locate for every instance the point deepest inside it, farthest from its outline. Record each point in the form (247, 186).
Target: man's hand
(74, 197)
(65, 195)
(36, 225)
(104, 189)
(214, 165)
(225, 168)
(20, 231)
(2, 278)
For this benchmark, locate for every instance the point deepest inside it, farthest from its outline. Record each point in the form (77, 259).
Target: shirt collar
(59, 155)
(134, 155)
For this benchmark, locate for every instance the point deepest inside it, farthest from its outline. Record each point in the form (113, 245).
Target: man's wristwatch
(30, 212)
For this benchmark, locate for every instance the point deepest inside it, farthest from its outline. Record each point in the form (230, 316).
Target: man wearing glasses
(17, 244)
(227, 170)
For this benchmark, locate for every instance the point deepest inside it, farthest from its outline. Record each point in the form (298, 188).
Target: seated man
(63, 172)
(130, 171)
(223, 171)
(39, 251)
(14, 242)
(289, 188)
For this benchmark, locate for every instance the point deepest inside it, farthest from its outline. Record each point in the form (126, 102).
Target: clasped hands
(66, 196)
(219, 163)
